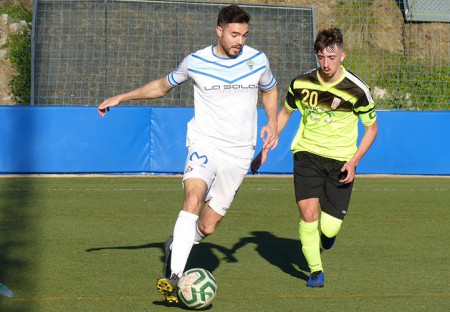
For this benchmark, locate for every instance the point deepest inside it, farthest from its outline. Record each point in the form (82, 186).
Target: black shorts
(318, 177)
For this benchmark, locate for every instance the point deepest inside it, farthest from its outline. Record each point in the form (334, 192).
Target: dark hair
(328, 38)
(232, 14)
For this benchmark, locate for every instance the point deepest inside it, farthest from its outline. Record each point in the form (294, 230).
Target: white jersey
(225, 97)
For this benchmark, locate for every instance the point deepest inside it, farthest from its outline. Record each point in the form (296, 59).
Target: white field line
(162, 189)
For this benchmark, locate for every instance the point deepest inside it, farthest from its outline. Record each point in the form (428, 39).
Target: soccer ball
(197, 288)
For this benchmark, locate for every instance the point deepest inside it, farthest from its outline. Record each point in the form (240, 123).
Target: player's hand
(269, 135)
(106, 104)
(347, 173)
(102, 111)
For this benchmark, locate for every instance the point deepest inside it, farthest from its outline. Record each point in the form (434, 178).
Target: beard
(231, 52)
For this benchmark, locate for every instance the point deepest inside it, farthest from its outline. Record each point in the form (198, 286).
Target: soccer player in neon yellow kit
(331, 100)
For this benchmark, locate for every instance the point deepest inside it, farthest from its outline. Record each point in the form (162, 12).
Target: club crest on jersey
(336, 102)
(250, 64)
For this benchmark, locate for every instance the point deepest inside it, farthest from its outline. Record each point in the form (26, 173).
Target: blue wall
(152, 140)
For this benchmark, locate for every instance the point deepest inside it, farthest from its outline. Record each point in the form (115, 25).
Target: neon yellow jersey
(330, 112)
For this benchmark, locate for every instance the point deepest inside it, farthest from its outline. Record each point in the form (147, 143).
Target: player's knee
(192, 203)
(309, 215)
(309, 209)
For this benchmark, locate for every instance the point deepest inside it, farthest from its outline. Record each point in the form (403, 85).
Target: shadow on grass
(286, 254)
(180, 306)
(18, 241)
(202, 255)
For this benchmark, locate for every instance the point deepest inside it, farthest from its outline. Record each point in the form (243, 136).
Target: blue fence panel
(152, 140)
(407, 143)
(74, 140)
(168, 141)
(410, 143)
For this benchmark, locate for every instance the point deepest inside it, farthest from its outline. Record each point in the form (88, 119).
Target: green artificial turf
(95, 244)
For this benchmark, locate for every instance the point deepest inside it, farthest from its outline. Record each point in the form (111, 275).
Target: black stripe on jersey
(360, 83)
(350, 94)
(290, 99)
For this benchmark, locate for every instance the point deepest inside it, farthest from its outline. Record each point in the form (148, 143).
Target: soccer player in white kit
(221, 137)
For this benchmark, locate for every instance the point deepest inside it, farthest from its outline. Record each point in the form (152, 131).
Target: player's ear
(343, 55)
(219, 31)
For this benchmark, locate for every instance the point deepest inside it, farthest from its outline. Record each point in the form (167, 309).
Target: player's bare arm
(349, 167)
(269, 133)
(283, 117)
(152, 90)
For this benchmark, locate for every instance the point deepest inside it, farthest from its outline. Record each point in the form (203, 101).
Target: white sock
(183, 238)
(198, 235)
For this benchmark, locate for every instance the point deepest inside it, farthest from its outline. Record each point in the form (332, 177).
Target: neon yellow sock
(329, 225)
(309, 237)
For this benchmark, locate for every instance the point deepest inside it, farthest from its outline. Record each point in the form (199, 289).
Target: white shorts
(222, 173)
